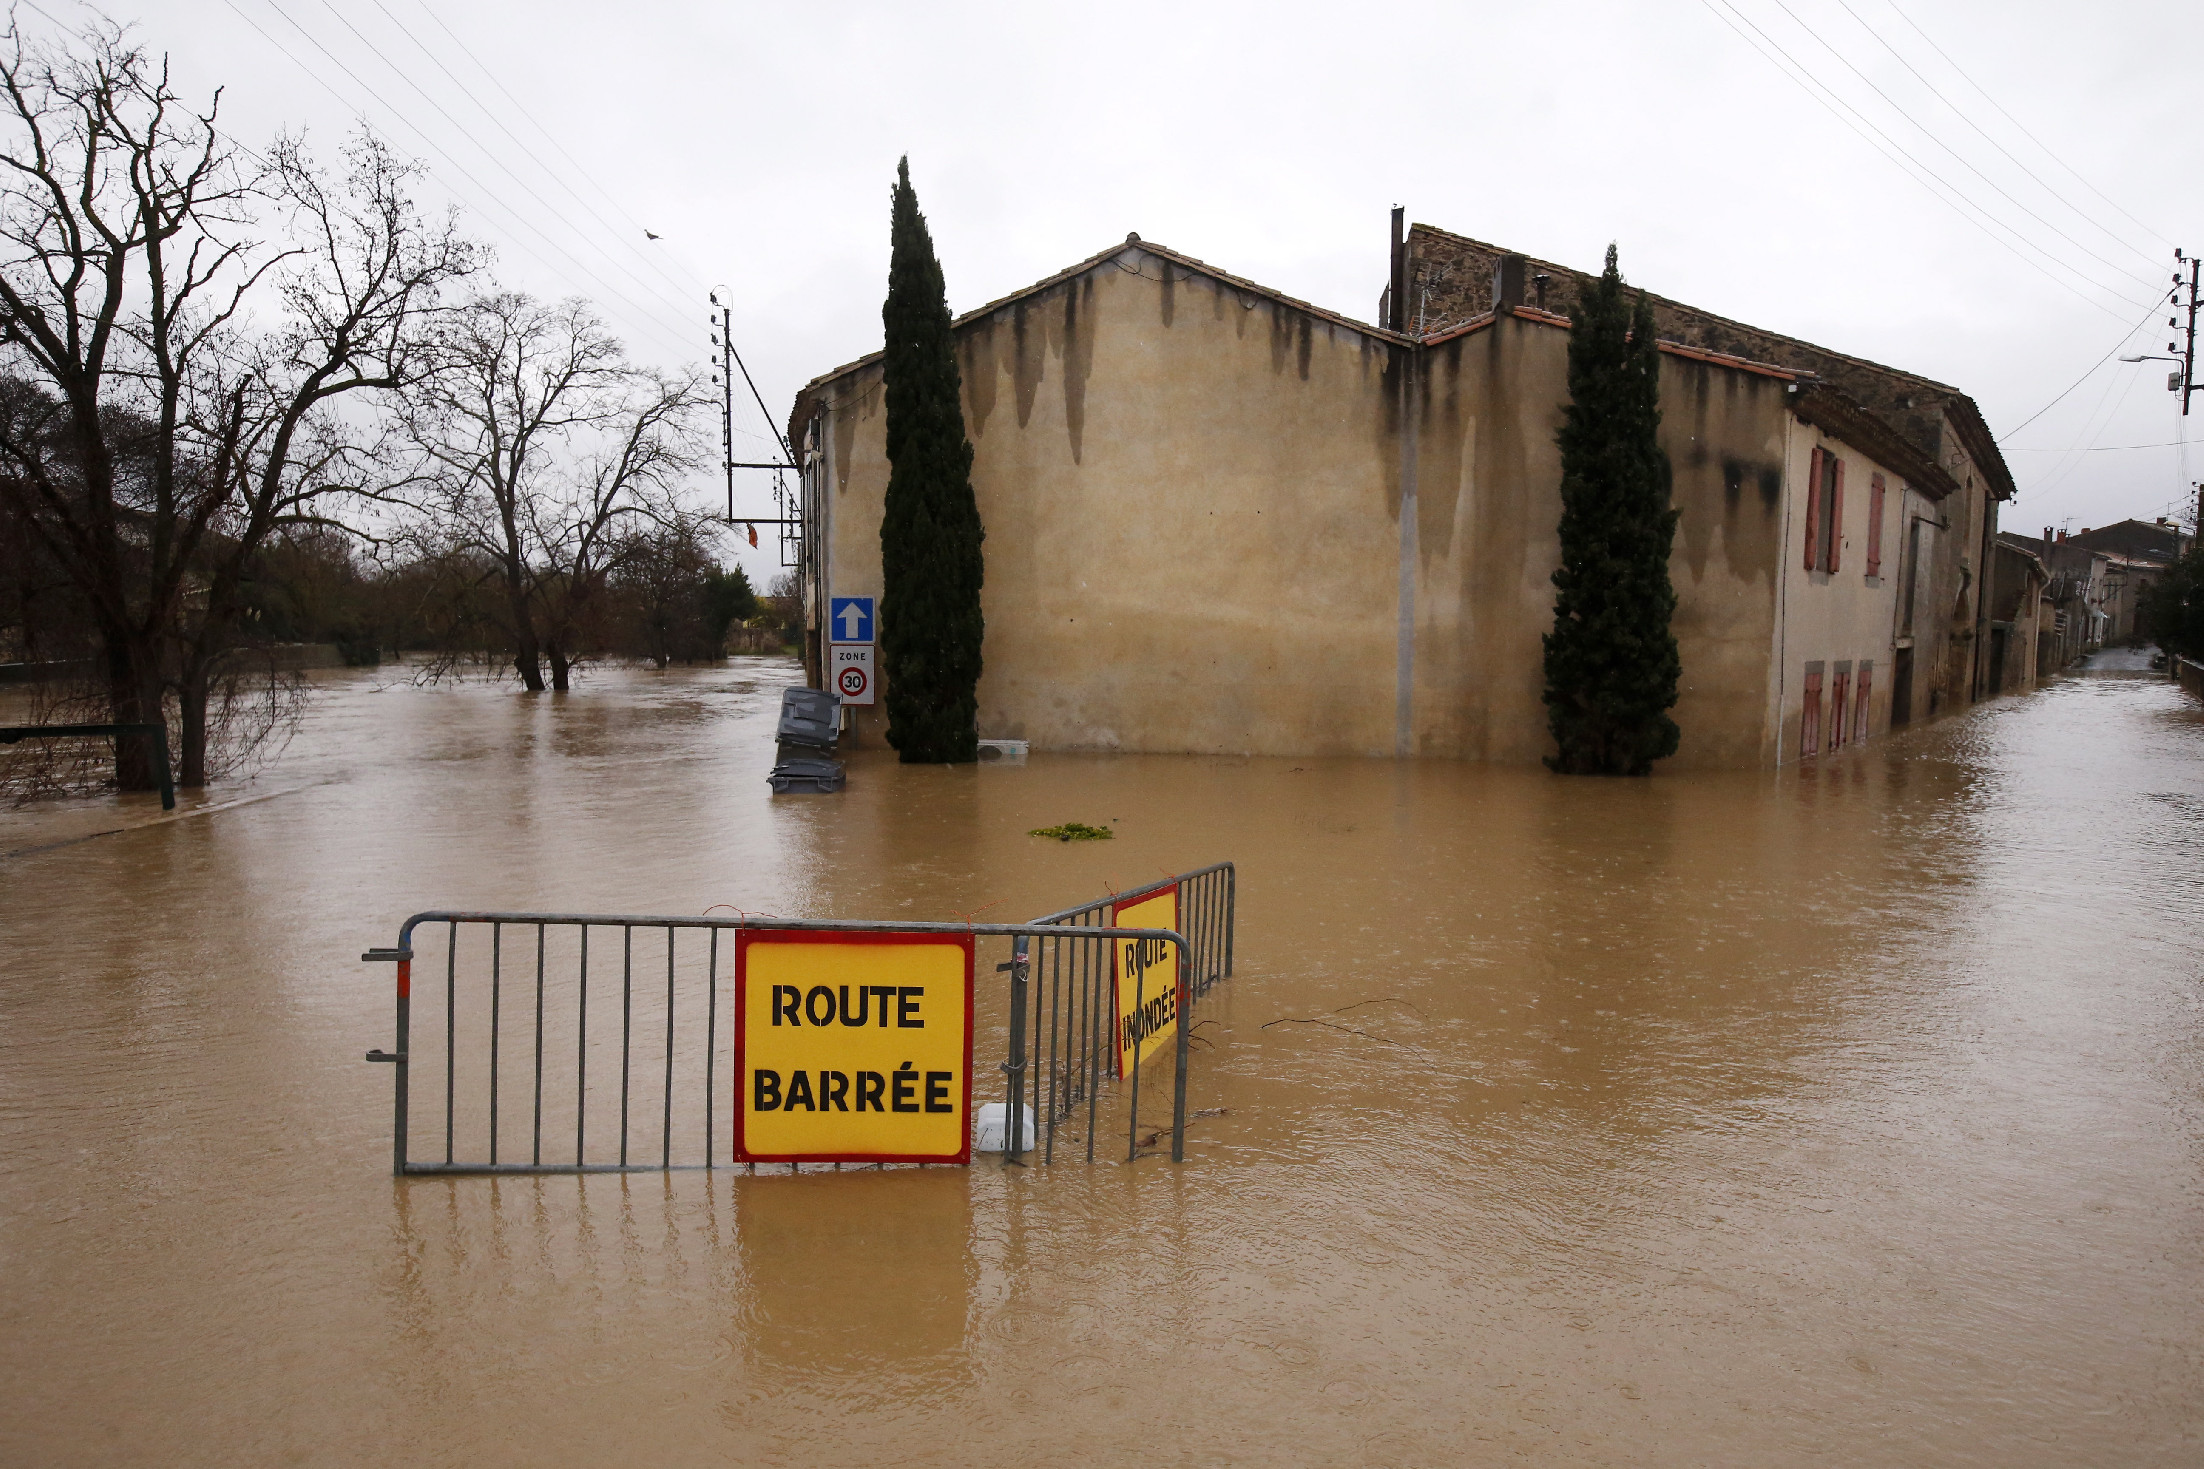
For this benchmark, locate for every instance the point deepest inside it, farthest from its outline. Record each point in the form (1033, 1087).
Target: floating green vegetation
(1073, 831)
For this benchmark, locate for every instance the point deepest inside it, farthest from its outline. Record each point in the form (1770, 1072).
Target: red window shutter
(1813, 514)
(1836, 519)
(1874, 537)
(1840, 689)
(1809, 732)
(1867, 682)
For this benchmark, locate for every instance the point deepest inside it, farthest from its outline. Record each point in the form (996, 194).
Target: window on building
(1809, 725)
(1824, 511)
(1840, 689)
(1860, 716)
(1874, 529)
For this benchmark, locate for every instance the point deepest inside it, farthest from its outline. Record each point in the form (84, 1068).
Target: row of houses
(1222, 520)
(2060, 597)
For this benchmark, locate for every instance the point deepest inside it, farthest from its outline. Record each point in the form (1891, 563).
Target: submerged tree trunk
(527, 650)
(133, 697)
(561, 666)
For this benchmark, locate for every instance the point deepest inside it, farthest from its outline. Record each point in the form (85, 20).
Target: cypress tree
(1611, 660)
(930, 532)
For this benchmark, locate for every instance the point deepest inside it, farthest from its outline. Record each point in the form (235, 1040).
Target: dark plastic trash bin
(795, 777)
(810, 717)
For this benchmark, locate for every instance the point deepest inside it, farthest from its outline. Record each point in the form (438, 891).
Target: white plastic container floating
(1002, 752)
(991, 1125)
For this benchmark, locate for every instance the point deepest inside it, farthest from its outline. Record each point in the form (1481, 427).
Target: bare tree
(545, 446)
(158, 438)
(361, 289)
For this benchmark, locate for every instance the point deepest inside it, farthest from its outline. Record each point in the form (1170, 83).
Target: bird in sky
(648, 235)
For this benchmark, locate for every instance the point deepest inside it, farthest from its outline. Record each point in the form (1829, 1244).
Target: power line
(400, 73)
(2085, 377)
(646, 318)
(2097, 448)
(576, 165)
(1964, 162)
(1907, 164)
(2016, 122)
(1892, 148)
(695, 281)
(2092, 426)
(1964, 117)
(510, 171)
(1889, 148)
(520, 107)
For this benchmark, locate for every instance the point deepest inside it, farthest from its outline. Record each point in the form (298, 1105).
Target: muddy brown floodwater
(1851, 1115)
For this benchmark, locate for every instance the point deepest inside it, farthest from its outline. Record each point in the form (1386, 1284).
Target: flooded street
(1852, 1115)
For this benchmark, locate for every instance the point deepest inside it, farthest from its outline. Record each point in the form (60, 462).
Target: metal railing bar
(581, 1055)
(627, 1025)
(451, 1032)
(1056, 1006)
(497, 960)
(563, 1169)
(665, 1134)
(1069, 915)
(711, 1041)
(1232, 904)
(1090, 956)
(1040, 1015)
(774, 925)
(535, 1154)
(1140, 1000)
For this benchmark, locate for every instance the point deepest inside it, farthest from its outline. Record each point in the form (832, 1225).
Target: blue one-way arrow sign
(852, 619)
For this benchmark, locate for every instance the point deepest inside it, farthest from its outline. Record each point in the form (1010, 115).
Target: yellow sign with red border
(852, 1047)
(1146, 975)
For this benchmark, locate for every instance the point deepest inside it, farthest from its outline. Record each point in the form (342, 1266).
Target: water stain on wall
(976, 346)
(845, 425)
(1027, 362)
(1074, 347)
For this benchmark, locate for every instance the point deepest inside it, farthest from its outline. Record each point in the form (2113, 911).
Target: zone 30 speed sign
(850, 670)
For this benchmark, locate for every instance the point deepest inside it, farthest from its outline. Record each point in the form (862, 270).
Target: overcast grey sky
(1271, 139)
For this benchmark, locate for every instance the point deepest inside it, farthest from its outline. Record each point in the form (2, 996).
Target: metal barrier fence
(1081, 976)
(543, 1021)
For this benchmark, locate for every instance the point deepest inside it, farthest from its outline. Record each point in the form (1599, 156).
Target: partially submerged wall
(1198, 524)
(1191, 497)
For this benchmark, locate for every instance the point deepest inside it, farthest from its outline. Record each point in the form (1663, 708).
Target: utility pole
(784, 500)
(2182, 350)
(724, 339)
(2184, 380)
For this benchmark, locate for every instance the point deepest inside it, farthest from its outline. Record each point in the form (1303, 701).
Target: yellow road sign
(852, 1047)
(1146, 975)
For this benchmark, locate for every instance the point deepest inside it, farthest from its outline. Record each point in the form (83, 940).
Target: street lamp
(2173, 378)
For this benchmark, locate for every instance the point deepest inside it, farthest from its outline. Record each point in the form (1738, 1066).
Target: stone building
(2136, 553)
(1223, 520)
(2023, 618)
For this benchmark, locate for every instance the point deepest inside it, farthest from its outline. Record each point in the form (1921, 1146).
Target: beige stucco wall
(1490, 502)
(1193, 497)
(1844, 617)
(1190, 499)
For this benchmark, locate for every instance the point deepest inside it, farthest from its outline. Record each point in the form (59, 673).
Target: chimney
(2062, 537)
(1507, 282)
(1396, 307)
